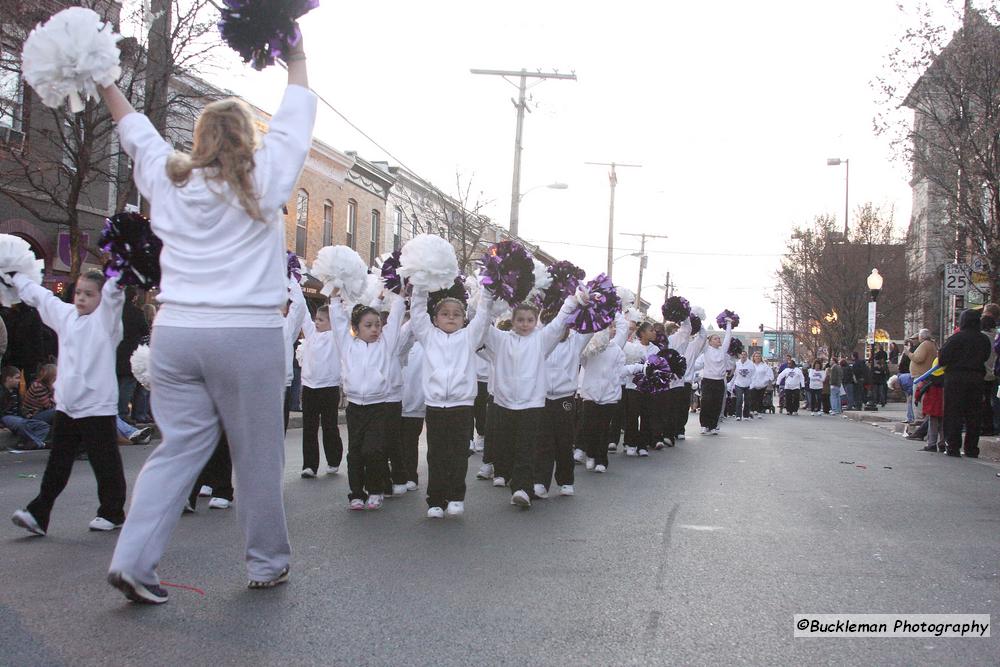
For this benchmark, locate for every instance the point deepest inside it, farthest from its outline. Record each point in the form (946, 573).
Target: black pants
(617, 420)
(963, 405)
(989, 395)
(632, 400)
(652, 424)
(97, 436)
(713, 393)
(815, 400)
(757, 400)
(598, 421)
(412, 427)
(480, 408)
(396, 470)
(448, 431)
(366, 467)
(554, 452)
(319, 408)
(516, 434)
(490, 437)
(682, 411)
(792, 400)
(287, 405)
(677, 401)
(217, 473)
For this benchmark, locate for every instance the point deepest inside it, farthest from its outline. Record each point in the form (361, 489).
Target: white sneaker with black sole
(308, 473)
(24, 519)
(455, 508)
(590, 464)
(600, 468)
(136, 592)
(411, 486)
(499, 481)
(579, 455)
(399, 489)
(435, 513)
(205, 492)
(521, 499)
(566, 490)
(141, 436)
(631, 451)
(540, 491)
(485, 471)
(220, 504)
(680, 436)
(99, 523)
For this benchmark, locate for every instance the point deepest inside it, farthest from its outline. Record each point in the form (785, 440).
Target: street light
(836, 162)
(551, 186)
(631, 254)
(874, 282)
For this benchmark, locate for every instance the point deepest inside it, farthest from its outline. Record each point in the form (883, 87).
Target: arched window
(301, 222)
(352, 223)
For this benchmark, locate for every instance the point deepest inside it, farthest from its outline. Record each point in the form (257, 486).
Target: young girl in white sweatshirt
(217, 340)
(320, 390)
(450, 387)
(86, 393)
(519, 387)
(365, 359)
(713, 380)
(637, 404)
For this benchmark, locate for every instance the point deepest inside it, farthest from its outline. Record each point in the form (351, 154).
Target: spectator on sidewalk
(880, 376)
(964, 356)
(30, 432)
(860, 370)
(848, 383)
(40, 399)
(835, 376)
(990, 318)
(930, 395)
(921, 360)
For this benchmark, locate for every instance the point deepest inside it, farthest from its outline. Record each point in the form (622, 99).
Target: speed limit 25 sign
(956, 279)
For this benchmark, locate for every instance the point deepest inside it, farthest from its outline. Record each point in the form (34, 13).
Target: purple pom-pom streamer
(655, 378)
(599, 312)
(390, 272)
(262, 31)
(508, 272)
(676, 361)
(735, 347)
(294, 266)
(721, 318)
(566, 277)
(456, 291)
(134, 250)
(676, 309)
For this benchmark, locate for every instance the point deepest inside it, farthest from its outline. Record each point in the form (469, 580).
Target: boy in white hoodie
(519, 386)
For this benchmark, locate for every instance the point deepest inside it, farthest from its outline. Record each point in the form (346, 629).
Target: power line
(665, 252)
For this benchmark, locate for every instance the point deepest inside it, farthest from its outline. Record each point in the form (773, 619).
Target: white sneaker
(102, 524)
(435, 513)
(499, 481)
(411, 486)
(308, 473)
(399, 489)
(374, 502)
(220, 504)
(579, 455)
(478, 443)
(715, 431)
(332, 470)
(455, 508)
(356, 505)
(24, 519)
(631, 451)
(612, 446)
(540, 491)
(600, 468)
(521, 499)
(705, 430)
(485, 471)
(205, 492)
(590, 463)
(566, 490)
(739, 419)
(643, 452)
(680, 436)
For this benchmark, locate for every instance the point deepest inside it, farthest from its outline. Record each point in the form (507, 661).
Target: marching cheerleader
(223, 282)
(296, 313)
(519, 393)
(366, 358)
(713, 379)
(414, 411)
(320, 390)
(679, 393)
(637, 404)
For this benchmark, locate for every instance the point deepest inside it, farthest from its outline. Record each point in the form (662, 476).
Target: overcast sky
(731, 108)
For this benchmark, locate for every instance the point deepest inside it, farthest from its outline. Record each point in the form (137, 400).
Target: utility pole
(613, 178)
(521, 105)
(642, 262)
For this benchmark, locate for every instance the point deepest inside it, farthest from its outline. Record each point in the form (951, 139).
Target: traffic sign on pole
(956, 279)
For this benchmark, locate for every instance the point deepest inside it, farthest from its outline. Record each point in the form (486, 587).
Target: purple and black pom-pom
(566, 277)
(721, 318)
(676, 309)
(599, 313)
(134, 250)
(262, 31)
(456, 291)
(294, 266)
(390, 273)
(656, 377)
(508, 272)
(735, 347)
(676, 361)
(695, 324)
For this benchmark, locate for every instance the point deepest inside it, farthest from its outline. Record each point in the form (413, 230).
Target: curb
(989, 446)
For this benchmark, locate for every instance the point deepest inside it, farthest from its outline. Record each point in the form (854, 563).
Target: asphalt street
(700, 554)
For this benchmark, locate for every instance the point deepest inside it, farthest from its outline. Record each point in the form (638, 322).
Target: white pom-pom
(698, 312)
(140, 365)
(299, 353)
(627, 297)
(340, 267)
(472, 289)
(373, 287)
(634, 353)
(633, 315)
(429, 262)
(72, 53)
(542, 277)
(16, 255)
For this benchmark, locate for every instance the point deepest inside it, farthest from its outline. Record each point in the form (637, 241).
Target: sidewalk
(892, 418)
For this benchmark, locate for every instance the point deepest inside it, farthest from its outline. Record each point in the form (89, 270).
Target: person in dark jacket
(964, 357)
(860, 370)
(134, 330)
(849, 385)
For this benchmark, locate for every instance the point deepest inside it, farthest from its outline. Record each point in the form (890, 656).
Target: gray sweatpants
(201, 377)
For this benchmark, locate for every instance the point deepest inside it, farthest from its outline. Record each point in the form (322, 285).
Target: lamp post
(836, 162)
(874, 282)
(551, 186)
